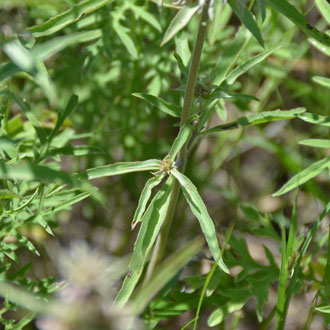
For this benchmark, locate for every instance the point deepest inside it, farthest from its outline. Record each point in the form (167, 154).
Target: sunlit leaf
(122, 168)
(198, 208)
(180, 20)
(256, 119)
(324, 8)
(68, 17)
(125, 38)
(152, 221)
(322, 81)
(318, 143)
(315, 119)
(305, 175)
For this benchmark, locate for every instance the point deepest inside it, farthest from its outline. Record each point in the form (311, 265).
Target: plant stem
(159, 247)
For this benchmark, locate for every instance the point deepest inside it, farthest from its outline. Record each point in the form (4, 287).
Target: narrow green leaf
(69, 150)
(286, 9)
(199, 210)
(324, 8)
(122, 168)
(19, 55)
(71, 106)
(144, 198)
(315, 119)
(262, 9)
(8, 69)
(165, 272)
(32, 172)
(125, 38)
(303, 176)
(152, 221)
(322, 81)
(147, 17)
(183, 136)
(244, 15)
(219, 314)
(323, 309)
(240, 70)
(68, 17)
(320, 46)
(43, 51)
(318, 143)
(256, 119)
(170, 109)
(180, 20)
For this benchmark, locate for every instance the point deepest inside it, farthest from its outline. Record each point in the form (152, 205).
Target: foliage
(91, 93)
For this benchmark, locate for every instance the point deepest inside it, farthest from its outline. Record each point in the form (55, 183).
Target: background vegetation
(75, 95)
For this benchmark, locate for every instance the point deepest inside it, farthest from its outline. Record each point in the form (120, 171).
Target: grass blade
(170, 109)
(322, 81)
(122, 168)
(303, 176)
(152, 221)
(324, 8)
(68, 17)
(199, 210)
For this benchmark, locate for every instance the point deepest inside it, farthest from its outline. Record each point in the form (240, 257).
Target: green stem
(159, 247)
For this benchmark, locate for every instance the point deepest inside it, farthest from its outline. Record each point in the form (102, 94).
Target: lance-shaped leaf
(288, 10)
(71, 106)
(256, 119)
(183, 136)
(68, 17)
(121, 168)
(305, 175)
(144, 198)
(152, 221)
(125, 38)
(240, 70)
(324, 8)
(69, 150)
(322, 81)
(246, 18)
(180, 20)
(32, 172)
(170, 109)
(315, 119)
(198, 208)
(318, 143)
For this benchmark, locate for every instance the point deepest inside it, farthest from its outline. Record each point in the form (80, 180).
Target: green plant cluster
(215, 111)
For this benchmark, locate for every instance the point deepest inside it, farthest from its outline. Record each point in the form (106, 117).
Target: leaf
(180, 20)
(323, 309)
(322, 81)
(286, 9)
(19, 55)
(262, 9)
(219, 314)
(71, 106)
(303, 176)
(152, 221)
(69, 150)
(183, 136)
(246, 18)
(68, 17)
(146, 16)
(240, 70)
(256, 119)
(324, 8)
(318, 143)
(170, 109)
(321, 47)
(122, 168)
(43, 51)
(125, 38)
(165, 272)
(315, 119)
(144, 198)
(33, 172)
(198, 208)
(8, 70)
